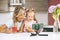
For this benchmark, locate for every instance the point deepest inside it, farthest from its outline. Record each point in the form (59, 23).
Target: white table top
(26, 36)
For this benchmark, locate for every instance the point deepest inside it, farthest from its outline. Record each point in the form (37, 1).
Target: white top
(28, 24)
(10, 24)
(18, 24)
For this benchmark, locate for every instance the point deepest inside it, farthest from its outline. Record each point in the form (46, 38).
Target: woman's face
(20, 16)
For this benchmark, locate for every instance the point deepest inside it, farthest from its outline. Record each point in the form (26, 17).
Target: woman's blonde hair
(16, 11)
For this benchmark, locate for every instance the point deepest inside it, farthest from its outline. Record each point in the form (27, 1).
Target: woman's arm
(22, 27)
(3, 28)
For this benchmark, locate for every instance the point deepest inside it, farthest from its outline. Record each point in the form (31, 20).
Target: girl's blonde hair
(16, 11)
(32, 10)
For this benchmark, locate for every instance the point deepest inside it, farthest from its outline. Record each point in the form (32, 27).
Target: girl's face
(30, 16)
(20, 16)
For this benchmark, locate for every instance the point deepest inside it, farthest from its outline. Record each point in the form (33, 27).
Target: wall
(3, 5)
(5, 17)
(39, 5)
(42, 17)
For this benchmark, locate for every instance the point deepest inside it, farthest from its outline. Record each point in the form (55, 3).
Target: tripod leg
(43, 34)
(32, 34)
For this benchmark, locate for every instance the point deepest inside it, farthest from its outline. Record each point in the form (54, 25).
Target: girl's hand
(39, 31)
(29, 29)
(34, 22)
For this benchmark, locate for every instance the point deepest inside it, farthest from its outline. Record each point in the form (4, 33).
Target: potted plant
(55, 10)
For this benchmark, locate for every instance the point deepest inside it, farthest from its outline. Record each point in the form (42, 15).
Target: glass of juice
(14, 29)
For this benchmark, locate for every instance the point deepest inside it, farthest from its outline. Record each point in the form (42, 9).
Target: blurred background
(41, 9)
(40, 6)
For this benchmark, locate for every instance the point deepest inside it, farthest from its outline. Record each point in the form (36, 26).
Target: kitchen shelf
(15, 4)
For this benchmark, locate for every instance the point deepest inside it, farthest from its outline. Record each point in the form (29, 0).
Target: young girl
(30, 19)
(16, 22)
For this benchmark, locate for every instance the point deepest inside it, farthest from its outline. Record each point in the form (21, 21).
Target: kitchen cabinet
(4, 7)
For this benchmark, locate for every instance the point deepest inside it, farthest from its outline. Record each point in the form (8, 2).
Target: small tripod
(32, 34)
(37, 27)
